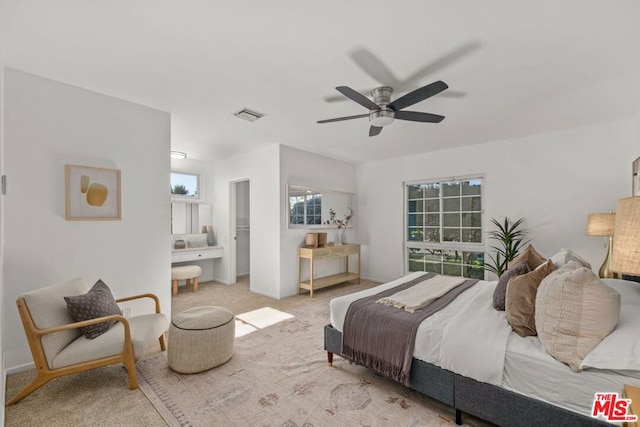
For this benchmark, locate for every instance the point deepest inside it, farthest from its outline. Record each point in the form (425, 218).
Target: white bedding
(526, 367)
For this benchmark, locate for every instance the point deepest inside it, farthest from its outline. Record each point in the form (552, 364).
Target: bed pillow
(501, 287)
(620, 350)
(98, 302)
(530, 256)
(520, 299)
(575, 311)
(566, 255)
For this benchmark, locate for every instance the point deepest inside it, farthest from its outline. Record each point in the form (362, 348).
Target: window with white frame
(305, 209)
(444, 231)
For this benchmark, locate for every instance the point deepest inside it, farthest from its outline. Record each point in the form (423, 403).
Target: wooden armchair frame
(45, 374)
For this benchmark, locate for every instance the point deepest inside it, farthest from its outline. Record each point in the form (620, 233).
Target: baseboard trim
(19, 368)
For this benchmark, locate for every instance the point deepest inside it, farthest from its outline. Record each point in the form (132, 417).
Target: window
(185, 185)
(444, 227)
(305, 209)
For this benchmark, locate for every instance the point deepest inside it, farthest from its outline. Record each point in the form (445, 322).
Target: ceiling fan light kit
(383, 112)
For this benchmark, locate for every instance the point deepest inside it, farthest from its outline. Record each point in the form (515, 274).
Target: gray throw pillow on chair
(98, 302)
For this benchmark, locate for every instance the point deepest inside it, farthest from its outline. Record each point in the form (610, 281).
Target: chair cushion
(48, 309)
(98, 302)
(145, 330)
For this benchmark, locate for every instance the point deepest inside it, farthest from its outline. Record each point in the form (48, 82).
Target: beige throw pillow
(574, 312)
(530, 256)
(520, 299)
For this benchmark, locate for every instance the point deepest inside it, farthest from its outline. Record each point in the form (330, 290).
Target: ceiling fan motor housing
(384, 116)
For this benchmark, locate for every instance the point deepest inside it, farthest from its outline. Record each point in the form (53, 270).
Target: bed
(529, 387)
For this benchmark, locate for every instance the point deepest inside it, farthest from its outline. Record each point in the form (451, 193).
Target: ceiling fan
(383, 112)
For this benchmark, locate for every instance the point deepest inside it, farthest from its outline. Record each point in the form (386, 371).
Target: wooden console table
(329, 251)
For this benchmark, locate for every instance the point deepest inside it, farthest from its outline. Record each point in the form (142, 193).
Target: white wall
(310, 170)
(552, 180)
(2, 367)
(262, 168)
(47, 125)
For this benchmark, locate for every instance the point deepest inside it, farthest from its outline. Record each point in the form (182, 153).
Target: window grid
(444, 227)
(305, 209)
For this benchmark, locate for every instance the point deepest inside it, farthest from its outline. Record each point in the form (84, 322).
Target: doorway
(240, 215)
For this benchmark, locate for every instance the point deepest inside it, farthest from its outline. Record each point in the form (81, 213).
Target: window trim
(459, 246)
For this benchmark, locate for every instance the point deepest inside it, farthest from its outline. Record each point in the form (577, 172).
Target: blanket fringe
(381, 366)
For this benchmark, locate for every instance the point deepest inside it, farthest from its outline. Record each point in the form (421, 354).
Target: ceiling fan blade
(446, 59)
(418, 95)
(338, 98)
(371, 65)
(357, 97)
(415, 116)
(374, 130)
(339, 119)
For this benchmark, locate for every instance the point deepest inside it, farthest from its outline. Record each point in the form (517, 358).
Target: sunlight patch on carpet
(243, 328)
(263, 317)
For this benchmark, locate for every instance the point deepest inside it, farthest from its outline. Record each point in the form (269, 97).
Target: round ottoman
(201, 338)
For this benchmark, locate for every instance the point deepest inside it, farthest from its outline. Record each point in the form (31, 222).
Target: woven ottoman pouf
(201, 338)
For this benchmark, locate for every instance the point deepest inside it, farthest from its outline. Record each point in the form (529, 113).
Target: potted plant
(510, 239)
(341, 223)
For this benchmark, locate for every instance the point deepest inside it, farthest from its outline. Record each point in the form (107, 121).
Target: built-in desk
(196, 254)
(328, 251)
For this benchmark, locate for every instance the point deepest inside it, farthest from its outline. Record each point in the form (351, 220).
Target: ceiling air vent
(248, 115)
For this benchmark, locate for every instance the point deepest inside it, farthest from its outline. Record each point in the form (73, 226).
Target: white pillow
(575, 311)
(620, 350)
(566, 255)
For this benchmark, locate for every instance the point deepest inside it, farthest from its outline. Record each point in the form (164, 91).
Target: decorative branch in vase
(341, 223)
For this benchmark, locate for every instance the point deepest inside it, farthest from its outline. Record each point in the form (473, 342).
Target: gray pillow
(501, 288)
(98, 302)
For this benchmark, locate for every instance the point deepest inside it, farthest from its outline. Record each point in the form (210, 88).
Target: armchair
(59, 348)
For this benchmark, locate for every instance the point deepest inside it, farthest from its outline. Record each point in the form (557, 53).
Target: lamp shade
(625, 257)
(600, 224)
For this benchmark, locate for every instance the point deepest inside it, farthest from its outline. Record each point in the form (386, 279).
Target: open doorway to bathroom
(240, 214)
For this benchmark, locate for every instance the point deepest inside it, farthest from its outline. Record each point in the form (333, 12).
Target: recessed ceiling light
(178, 155)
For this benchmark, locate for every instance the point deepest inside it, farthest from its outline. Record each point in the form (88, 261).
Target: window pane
(451, 189)
(450, 235)
(317, 210)
(474, 273)
(432, 219)
(432, 205)
(432, 190)
(472, 235)
(475, 259)
(451, 270)
(432, 235)
(415, 220)
(470, 187)
(471, 203)
(433, 255)
(414, 191)
(453, 257)
(416, 234)
(451, 219)
(433, 268)
(415, 205)
(471, 219)
(451, 205)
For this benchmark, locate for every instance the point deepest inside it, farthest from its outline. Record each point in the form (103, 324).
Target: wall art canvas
(92, 194)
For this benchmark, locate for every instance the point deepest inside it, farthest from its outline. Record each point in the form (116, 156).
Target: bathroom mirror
(188, 218)
(310, 207)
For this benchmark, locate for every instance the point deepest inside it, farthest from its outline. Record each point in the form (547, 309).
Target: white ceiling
(532, 66)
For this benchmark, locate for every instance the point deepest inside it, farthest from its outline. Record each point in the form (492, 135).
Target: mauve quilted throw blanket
(382, 337)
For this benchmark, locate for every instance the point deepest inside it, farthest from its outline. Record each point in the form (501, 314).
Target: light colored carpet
(279, 376)
(101, 397)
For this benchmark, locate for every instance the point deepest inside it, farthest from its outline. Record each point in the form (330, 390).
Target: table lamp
(625, 257)
(602, 224)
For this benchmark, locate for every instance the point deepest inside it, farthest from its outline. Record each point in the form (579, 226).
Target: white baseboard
(20, 368)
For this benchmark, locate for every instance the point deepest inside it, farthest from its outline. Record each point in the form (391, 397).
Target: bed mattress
(528, 368)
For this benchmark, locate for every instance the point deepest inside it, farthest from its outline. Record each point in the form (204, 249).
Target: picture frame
(92, 194)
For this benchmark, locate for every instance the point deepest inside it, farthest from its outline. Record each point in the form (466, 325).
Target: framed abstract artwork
(92, 194)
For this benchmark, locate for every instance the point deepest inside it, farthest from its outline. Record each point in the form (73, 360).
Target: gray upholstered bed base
(485, 401)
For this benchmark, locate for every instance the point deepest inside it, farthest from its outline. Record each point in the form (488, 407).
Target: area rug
(279, 376)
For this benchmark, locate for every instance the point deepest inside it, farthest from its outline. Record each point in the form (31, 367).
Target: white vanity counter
(195, 254)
